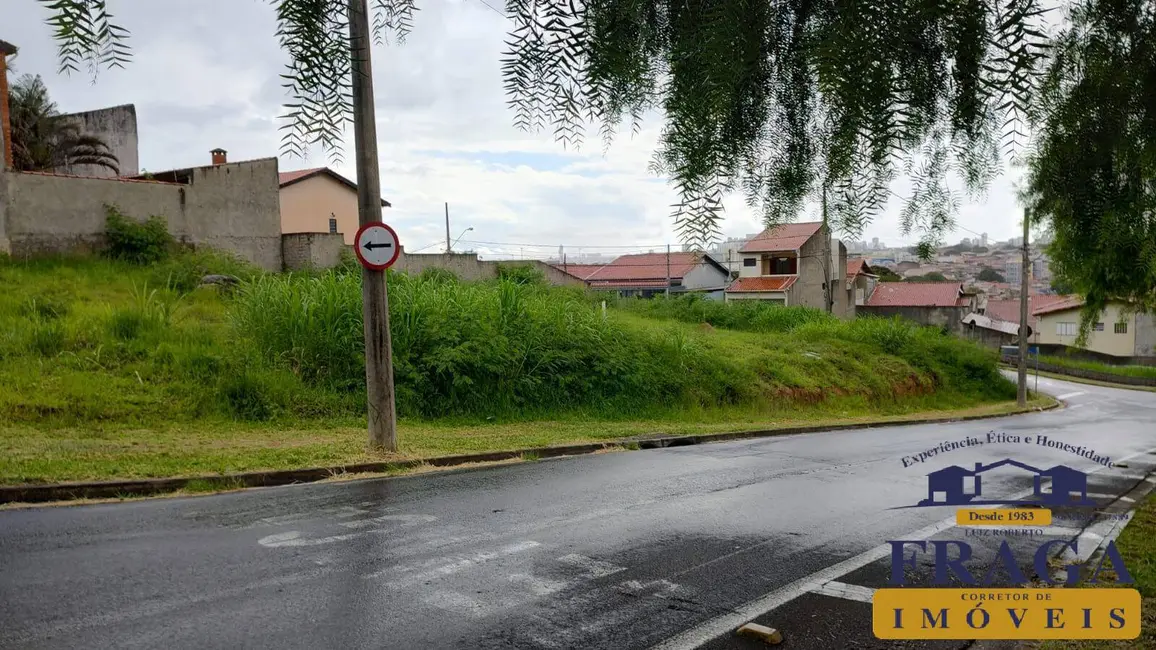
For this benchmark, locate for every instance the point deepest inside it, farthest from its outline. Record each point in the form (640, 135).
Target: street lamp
(459, 237)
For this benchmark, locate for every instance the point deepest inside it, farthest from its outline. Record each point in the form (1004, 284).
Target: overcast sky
(204, 75)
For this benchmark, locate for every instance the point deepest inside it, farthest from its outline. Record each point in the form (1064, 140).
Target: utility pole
(375, 300)
(828, 293)
(668, 270)
(448, 245)
(1022, 388)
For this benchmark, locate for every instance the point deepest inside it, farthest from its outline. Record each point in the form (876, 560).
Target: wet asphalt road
(616, 551)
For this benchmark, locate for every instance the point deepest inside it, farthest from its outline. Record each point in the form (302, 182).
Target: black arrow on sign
(370, 245)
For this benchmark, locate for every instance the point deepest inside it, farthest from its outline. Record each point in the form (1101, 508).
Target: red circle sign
(376, 246)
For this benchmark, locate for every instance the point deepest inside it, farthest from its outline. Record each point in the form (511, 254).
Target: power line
(491, 7)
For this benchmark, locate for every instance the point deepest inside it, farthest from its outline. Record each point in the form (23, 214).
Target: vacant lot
(112, 369)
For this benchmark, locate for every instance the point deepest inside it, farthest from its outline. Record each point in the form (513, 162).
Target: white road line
(707, 630)
(410, 575)
(593, 568)
(1075, 394)
(700, 634)
(1105, 495)
(844, 590)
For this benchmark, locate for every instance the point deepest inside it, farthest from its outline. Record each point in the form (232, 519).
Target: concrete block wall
(233, 207)
(468, 267)
(115, 125)
(311, 250)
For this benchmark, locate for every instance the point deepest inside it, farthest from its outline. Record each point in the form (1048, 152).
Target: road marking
(1075, 394)
(661, 588)
(593, 568)
(410, 575)
(293, 538)
(1105, 495)
(700, 634)
(844, 590)
(408, 520)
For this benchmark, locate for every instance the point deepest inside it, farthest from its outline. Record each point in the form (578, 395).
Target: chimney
(220, 156)
(6, 50)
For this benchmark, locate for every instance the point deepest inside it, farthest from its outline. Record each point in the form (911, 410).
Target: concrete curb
(36, 493)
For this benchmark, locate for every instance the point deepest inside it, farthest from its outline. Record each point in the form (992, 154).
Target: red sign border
(357, 247)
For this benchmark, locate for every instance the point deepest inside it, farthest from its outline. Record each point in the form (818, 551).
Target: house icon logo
(1055, 486)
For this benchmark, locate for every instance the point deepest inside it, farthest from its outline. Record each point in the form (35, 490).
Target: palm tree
(43, 140)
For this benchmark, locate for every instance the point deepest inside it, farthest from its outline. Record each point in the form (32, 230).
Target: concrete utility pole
(668, 270)
(828, 293)
(448, 244)
(375, 300)
(1022, 388)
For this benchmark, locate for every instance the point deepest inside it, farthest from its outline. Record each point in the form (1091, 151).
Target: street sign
(376, 246)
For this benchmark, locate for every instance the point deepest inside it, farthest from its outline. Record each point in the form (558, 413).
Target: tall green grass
(1083, 364)
(745, 315)
(505, 346)
(98, 340)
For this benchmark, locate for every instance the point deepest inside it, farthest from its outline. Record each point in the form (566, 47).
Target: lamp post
(459, 237)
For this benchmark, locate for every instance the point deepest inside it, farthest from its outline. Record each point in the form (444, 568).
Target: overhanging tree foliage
(43, 140)
(1092, 174)
(787, 100)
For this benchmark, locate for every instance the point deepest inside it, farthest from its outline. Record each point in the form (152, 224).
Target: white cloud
(204, 75)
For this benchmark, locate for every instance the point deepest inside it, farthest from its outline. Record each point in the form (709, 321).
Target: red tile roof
(783, 237)
(763, 283)
(625, 284)
(1065, 303)
(646, 266)
(288, 178)
(916, 294)
(858, 267)
(1009, 310)
(582, 271)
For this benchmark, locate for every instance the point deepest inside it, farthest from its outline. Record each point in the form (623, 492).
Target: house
(1008, 311)
(939, 304)
(785, 264)
(1118, 335)
(319, 200)
(861, 281)
(647, 274)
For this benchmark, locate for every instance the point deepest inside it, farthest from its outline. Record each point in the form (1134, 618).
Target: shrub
(521, 274)
(250, 396)
(150, 311)
(48, 338)
(138, 243)
(182, 272)
(43, 307)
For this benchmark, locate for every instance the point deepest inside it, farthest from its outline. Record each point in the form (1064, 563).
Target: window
(1122, 328)
(1065, 329)
(332, 226)
(1099, 327)
(783, 266)
(749, 261)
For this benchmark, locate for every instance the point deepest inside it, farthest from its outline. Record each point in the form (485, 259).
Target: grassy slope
(1126, 371)
(106, 375)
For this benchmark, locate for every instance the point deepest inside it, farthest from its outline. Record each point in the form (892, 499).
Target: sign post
(382, 412)
(377, 248)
